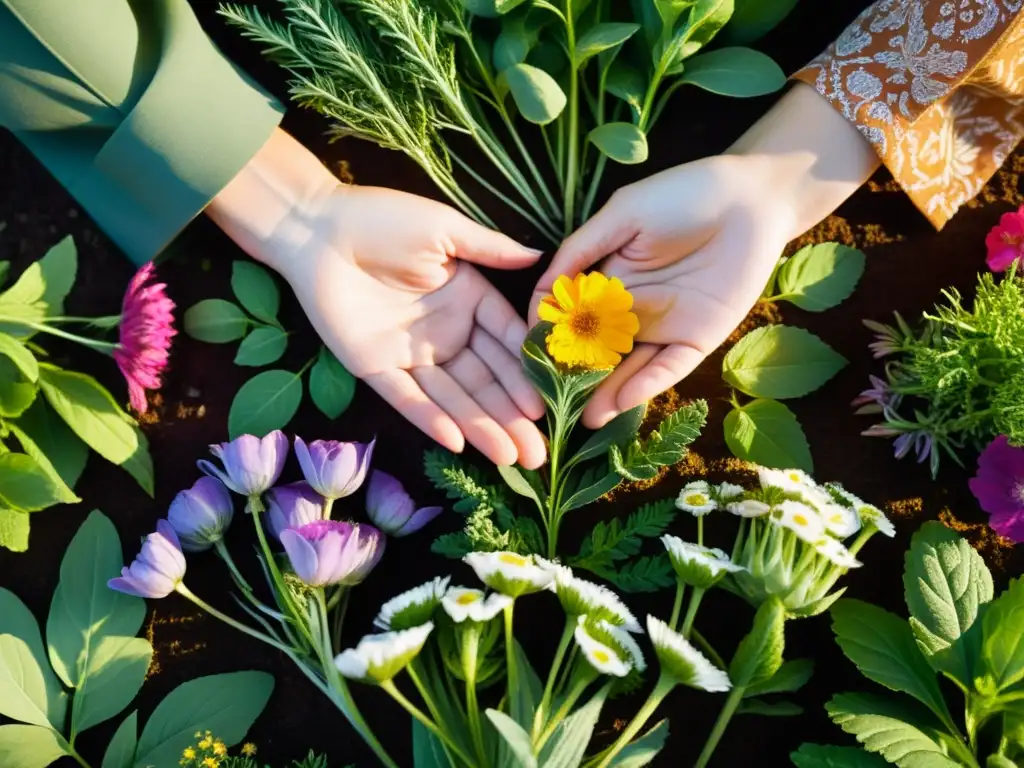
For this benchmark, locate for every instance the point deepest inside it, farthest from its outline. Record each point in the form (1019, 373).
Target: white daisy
(836, 488)
(698, 566)
(840, 521)
(801, 519)
(786, 479)
(872, 515)
(378, 658)
(695, 498)
(727, 491)
(414, 607)
(615, 637)
(509, 573)
(580, 597)
(684, 662)
(836, 552)
(601, 657)
(462, 603)
(748, 508)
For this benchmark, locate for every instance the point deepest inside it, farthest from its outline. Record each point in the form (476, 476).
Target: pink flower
(999, 487)
(1005, 242)
(146, 331)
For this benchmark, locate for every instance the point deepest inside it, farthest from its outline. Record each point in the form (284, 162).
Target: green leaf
(999, 761)
(822, 276)
(505, 6)
(483, 8)
(769, 708)
(53, 438)
(736, 72)
(594, 483)
(602, 37)
(643, 751)
(24, 695)
(121, 749)
(266, 402)
(16, 393)
(767, 433)
(262, 346)
(706, 18)
(255, 289)
(41, 288)
(17, 621)
(622, 142)
(114, 674)
(224, 704)
(753, 19)
(84, 610)
(29, 746)
(650, 573)
(759, 655)
(884, 726)
(665, 446)
(780, 361)
(883, 648)
(820, 756)
(568, 744)
(626, 83)
(18, 353)
(537, 95)
(617, 540)
(515, 737)
(528, 693)
(331, 386)
(216, 321)
(427, 749)
(26, 486)
(791, 676)
(513, 477)
(14, 529)
(140, 464)
(513, 43)
(619, 430)
(1003, 633)
(64, 493)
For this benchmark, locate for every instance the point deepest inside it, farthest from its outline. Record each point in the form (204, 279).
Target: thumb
(476, 243)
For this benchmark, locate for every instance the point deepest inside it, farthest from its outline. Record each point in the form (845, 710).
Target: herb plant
(958, 630)
(208, 751)
(92, 666)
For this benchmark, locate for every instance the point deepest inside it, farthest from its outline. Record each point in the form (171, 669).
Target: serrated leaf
(821, 756)
(255, 289)
(623, 142)
(19, 354)
(26, 486)
(602, 37)
(452, 545)
(41, 288)
(766, 432)
(759, 655)
(734, 71)
(1003, 636)
(53, 438)
(537, 95)
(29, 746)
(649, 573)
(617, 539)
(664, 447)
(14, 529)
(643, 751)
(822, 276)
(216, 321)
(780, 361)
(331, 387)
(121, 749)
(262, 346)
(16, 392)
(620, 429)
(266, 402)
(791, 676)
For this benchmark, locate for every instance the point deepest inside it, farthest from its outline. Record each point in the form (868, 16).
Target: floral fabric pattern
(937, 86)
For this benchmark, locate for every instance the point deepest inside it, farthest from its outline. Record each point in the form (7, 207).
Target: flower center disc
(585, 323)
(1018, 489)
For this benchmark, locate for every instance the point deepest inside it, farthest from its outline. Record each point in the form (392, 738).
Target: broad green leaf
(64, 493)
(1003, 633)
(121, 749)
(622, 142)
(16, 620)
(59, 268)
(780, 361)
(539, 98)
(626, 83)
(769, 708)
(262, 346)
(643, 751)
(568, 744)
(84, 610)
(41, 288)
(736, 72)
(224, 704)
(29, 746)
(819, 277)
(114, 674)
(331, 386)
(255, 289)
(513, 477)
(621, 429)
(884, 650)
(594, 483)
(427, 750)
(506, 6)
(884, 726)
(5, 266)
(216, 321)
(513, 43)
(999, 761)
(266, 402)
(26, 486)
(767, 433)
(24, 695)
(88, 408)
(945, 581)
(53, 438)
(821, 756)
(664, 447)
(753, 19)
(140, 464)
(706, 18)
(791, 676)
(16, 392)
(759, 655)
(483, 8)
(538, 366)
(18, 353)
(602, 37)
(14, 529)
(528, 693)
(515, 737)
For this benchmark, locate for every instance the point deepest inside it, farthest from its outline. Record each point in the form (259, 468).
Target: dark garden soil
(908, 264)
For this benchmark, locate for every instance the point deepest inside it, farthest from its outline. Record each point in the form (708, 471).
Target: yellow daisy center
(585, 323)
(696, 499)
(794, 477)
(602, 657)
(510, 559)
(801, 520)
(467, 599)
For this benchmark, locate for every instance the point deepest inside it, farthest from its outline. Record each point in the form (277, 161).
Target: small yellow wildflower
(593, 324)
(248, 750)
(210, 762)
(219, 748)
(189, 753)
(206, 743)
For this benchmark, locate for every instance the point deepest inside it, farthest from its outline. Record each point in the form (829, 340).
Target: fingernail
(534, 251)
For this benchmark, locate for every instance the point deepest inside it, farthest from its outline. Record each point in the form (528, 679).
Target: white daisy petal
(464, 604)
(580, 597)
(695, 498)
(799, 518)
(378, 658)
(727, 491)
(840, 521)
(616, 638)
(748, 508)
(698, 566)
(601, 657)
(786, 479)
(413, 607)
(872, 515)
(510, 573)
(836, 552)
(684, 662)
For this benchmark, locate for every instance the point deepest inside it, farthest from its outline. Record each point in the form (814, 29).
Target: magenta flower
(158, 569)
(334, 469)
(1005, 241)
(292, 506)
(999, 487)
(332, 552)
(147, 327)
(392, 509)
(201, 515)
(251, 464)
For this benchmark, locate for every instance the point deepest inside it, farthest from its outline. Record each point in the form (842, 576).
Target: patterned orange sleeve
(937, 86)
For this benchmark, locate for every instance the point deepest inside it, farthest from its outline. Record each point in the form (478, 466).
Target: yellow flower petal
(566, 293)
(616, 340)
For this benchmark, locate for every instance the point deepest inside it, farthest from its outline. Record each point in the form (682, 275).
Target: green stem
(339, 620)
(552, 158)
(188, 594)
(595, 183)
(735, 697)
(677, 606)
(661, 690)
(512, 674)
(75, 756)
(99, 346)
(549, 688)
(691, 611)
(470, 649)
(709, 650)
(586, 677)
(430, 725)
(572, 166)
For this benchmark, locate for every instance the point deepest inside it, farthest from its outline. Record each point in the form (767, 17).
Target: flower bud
(201, 515)
(392, 510)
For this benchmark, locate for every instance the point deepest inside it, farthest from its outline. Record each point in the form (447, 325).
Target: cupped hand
(385, 278)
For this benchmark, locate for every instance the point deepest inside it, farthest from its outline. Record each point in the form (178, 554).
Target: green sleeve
(131, 107)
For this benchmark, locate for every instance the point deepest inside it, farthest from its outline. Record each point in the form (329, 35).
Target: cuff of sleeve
(194, 128)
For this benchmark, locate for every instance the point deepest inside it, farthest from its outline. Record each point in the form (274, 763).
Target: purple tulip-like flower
(919, 440)
(201, 515)
(332, 468)
(878, 398)
(332, 552)
(292, 506)
(158, 569)
(392, 509)
(251, 464)
(999, 487)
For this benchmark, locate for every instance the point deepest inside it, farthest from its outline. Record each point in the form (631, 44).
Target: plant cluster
(593, 75)
(91, 667)
(958, 630)
(208, 751)
(956, 379)
(269, 400)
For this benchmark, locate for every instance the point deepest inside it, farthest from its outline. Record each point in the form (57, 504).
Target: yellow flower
(219, 748)
(206, 743)
(211, 762)
(248, 750)
(189, 753)
(593, 323)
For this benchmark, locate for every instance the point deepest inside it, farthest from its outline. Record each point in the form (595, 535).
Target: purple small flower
(999, 487)
(201, 515)
(332, 552)
(334, 469)
(292, 506)
(919, 440)
(158, 569)
(887, 339)
(877, 399)
(392, 509)
(251, 464)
